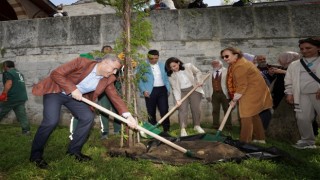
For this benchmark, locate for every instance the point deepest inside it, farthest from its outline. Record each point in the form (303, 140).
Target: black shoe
(26, 133)
(40, 163)
(104, 135)
(80, 157)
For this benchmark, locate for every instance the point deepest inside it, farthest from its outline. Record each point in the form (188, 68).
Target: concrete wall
(89, 8)
(196, 36)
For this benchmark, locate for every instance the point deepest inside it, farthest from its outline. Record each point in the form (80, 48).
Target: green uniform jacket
(18, 90)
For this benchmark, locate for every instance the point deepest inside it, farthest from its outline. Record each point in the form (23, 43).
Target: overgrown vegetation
(15, 151)
(3, 51)
(136, 34)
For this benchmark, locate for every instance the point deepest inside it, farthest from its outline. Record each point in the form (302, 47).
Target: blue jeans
(52, 104)
(104, 101)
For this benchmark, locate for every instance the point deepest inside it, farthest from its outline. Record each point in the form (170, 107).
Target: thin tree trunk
(127, 49)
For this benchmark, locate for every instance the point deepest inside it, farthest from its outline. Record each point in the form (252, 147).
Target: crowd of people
(248, 83)
(168, 4)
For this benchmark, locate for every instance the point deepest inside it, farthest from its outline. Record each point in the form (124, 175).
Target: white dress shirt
(158, 82)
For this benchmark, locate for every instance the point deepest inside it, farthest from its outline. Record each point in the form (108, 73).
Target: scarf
(230, 84)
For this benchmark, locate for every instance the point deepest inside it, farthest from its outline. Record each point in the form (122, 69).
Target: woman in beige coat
(182, 78)
(246, 85)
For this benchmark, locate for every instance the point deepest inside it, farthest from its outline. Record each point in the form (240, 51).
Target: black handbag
(309, 71)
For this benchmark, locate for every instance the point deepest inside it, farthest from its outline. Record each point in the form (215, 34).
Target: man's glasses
(226, 56)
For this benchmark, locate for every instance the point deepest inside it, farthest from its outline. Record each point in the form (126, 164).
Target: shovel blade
(214, 138)
(151, 128)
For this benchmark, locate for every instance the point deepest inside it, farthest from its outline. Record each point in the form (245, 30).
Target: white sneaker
(300, 145)
(259, 141)
(198, 129)
(183, 132)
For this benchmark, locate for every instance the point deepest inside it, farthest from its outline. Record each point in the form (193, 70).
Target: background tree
(2, 52)
(136, 34)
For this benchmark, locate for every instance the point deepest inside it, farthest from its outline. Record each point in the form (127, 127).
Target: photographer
(278, 72)
(263, 66)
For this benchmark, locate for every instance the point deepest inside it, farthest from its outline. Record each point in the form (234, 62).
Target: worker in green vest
(14, 95)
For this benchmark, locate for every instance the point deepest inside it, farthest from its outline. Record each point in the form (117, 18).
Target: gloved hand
(3, 97)
(132, 123)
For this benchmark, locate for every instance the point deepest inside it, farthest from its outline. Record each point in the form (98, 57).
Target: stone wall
(196, 36)
(87, 8)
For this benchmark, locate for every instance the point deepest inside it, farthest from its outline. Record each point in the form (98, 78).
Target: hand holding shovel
(139, 128)
(153, 127)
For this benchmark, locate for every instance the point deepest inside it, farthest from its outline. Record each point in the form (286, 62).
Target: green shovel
(139, 128)
(217, 137)
(154, 128)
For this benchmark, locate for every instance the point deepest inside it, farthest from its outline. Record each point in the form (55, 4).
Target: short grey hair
(217, 60)
(111, 57)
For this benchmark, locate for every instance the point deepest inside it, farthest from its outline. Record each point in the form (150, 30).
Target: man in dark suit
(219, 93)
(65, 86)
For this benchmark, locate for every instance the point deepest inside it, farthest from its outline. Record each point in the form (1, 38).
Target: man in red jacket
(65, 86)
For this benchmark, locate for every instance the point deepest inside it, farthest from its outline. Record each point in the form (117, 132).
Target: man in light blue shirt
(155, 88)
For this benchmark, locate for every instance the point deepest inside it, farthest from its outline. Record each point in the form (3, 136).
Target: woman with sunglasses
(247, 87)
(182, 78)
(302, 88)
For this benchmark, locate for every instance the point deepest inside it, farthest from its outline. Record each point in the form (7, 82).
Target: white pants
(308, 105)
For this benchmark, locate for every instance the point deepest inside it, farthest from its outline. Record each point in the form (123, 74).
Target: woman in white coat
(303, 90)
(183, 78)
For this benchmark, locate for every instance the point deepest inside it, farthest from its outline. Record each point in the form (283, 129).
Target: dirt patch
(202, 151)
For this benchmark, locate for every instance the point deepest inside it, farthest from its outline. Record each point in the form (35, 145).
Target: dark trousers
(265, 117)
(158, 98)
(20, 111)
(218, 100)
(51, 114)
(104, 101)
(315, 126)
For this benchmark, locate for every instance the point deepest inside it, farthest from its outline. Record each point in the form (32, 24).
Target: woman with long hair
(183, 78)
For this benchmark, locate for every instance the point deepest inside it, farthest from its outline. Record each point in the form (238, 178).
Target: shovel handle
(184, 98)
(225, 118)
(179, 148)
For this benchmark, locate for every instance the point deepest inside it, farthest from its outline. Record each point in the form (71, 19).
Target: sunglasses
(226, 56)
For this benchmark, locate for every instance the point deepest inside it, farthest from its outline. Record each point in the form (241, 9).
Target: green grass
(15, 150)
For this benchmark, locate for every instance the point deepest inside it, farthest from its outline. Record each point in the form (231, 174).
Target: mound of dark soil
(201, 151)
